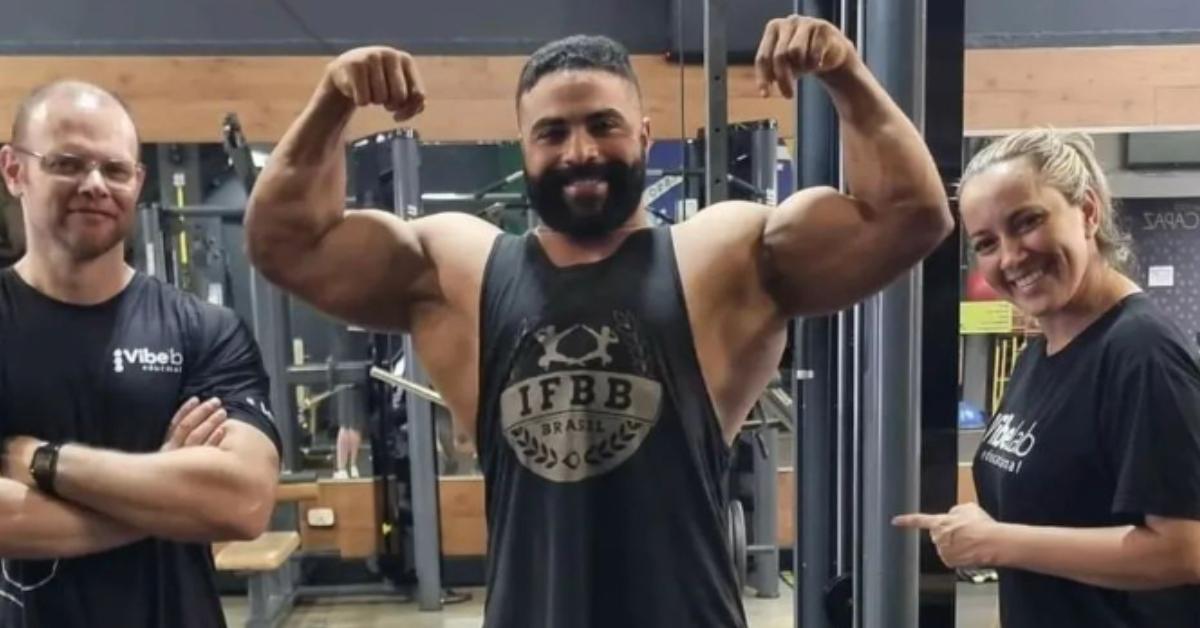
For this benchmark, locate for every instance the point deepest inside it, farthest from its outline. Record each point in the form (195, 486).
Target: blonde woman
(1089, 474)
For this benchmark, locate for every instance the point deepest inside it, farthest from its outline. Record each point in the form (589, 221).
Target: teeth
(1026, 280)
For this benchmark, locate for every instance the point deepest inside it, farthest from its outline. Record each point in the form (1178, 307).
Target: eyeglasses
(66, 165)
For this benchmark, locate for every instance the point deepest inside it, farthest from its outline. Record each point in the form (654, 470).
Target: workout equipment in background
(970, 417)
(1006, 350)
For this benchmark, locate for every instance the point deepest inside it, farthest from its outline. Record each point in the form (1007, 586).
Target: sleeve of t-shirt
(1152, 435)
(228, 366)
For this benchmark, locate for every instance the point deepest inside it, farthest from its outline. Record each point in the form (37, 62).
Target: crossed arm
(212, 480)
(34, 526)
(197, 494)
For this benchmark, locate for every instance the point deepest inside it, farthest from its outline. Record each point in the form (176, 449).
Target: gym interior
(393, 533)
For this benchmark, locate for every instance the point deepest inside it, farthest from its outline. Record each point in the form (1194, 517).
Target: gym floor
(976, 609)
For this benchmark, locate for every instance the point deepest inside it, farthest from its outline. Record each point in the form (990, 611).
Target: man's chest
(97, 382)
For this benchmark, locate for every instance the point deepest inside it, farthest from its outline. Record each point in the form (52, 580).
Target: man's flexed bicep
(369, 269)
(362, 266)
(822, 251)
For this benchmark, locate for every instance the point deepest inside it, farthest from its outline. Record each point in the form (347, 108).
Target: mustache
(571, 174)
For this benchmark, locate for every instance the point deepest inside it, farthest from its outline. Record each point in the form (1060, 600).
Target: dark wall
(515, 26)
(1166, 232)
(320, 26)
(1014, 23)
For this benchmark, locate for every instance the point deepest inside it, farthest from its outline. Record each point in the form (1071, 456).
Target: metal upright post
(764, 150)
(269, 313)
(765, 577)
(423, 457)
(406, 179)
(149, 251)
(422, 435)
(893, 47)
(716, 140)
(818, 510)
(764, 140)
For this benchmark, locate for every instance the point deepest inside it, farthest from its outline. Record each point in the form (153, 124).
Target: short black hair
(44, 92)
(577, 52)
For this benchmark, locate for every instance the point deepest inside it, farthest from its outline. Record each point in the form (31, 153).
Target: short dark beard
(625, 182)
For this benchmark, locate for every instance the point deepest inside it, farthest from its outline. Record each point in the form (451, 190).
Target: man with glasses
(133, 417)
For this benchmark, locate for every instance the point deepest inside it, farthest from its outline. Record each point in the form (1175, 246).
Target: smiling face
(1032, 245)
(584, 141)
(79, 187)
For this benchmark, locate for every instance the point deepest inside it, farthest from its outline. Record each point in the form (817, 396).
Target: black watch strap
(44, 466)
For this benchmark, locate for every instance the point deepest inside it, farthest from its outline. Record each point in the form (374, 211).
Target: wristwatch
(44, 466)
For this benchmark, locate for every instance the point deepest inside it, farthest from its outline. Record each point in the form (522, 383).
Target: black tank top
(603, 458)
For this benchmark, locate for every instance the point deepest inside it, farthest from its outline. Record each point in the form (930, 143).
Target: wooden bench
(271, 574)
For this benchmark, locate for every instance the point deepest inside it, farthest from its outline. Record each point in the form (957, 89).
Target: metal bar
(206, 211)
(406, 185)
(942, 129)
(456, 197)
(423, 456)
(490, 188)
(260, 602)
(716, 144)
(765, 532)
(854, 454)
(326, 374)
(764, 142)
(422, 435)
(150, 257)
(815, 404)
(179, 176)
(425, 393)
(269, 315)
(844, 525)
(893, 48)
(240, 155)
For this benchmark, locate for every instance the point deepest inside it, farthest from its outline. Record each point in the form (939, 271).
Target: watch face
(42, 466)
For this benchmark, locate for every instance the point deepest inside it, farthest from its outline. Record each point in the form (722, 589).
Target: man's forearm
(1126, 558)
(300, 193)
(888, 165)
(192, 494)
(36, 526)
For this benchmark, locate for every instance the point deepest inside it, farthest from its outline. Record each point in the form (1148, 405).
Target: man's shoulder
(195, 315)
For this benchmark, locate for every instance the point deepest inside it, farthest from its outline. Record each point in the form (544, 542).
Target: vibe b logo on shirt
(581, 398)
(1008, 442)
(147, 361)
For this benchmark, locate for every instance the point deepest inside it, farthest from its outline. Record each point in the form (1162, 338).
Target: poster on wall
(1166, 243)
(1160, 276)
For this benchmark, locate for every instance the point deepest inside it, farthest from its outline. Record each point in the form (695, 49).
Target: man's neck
(564, 250)
(61, 278)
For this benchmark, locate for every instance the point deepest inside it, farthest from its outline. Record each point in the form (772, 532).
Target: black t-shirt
(1102, 433)
(112, 376)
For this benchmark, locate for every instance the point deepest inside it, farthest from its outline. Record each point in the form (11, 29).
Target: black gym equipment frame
(855, 467)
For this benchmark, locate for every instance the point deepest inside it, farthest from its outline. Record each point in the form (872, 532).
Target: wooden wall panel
(966, 484)
(471, 98)
(356, 506)
(786, 519)
(1178, 106)
(461, 515)
(1117, 87)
